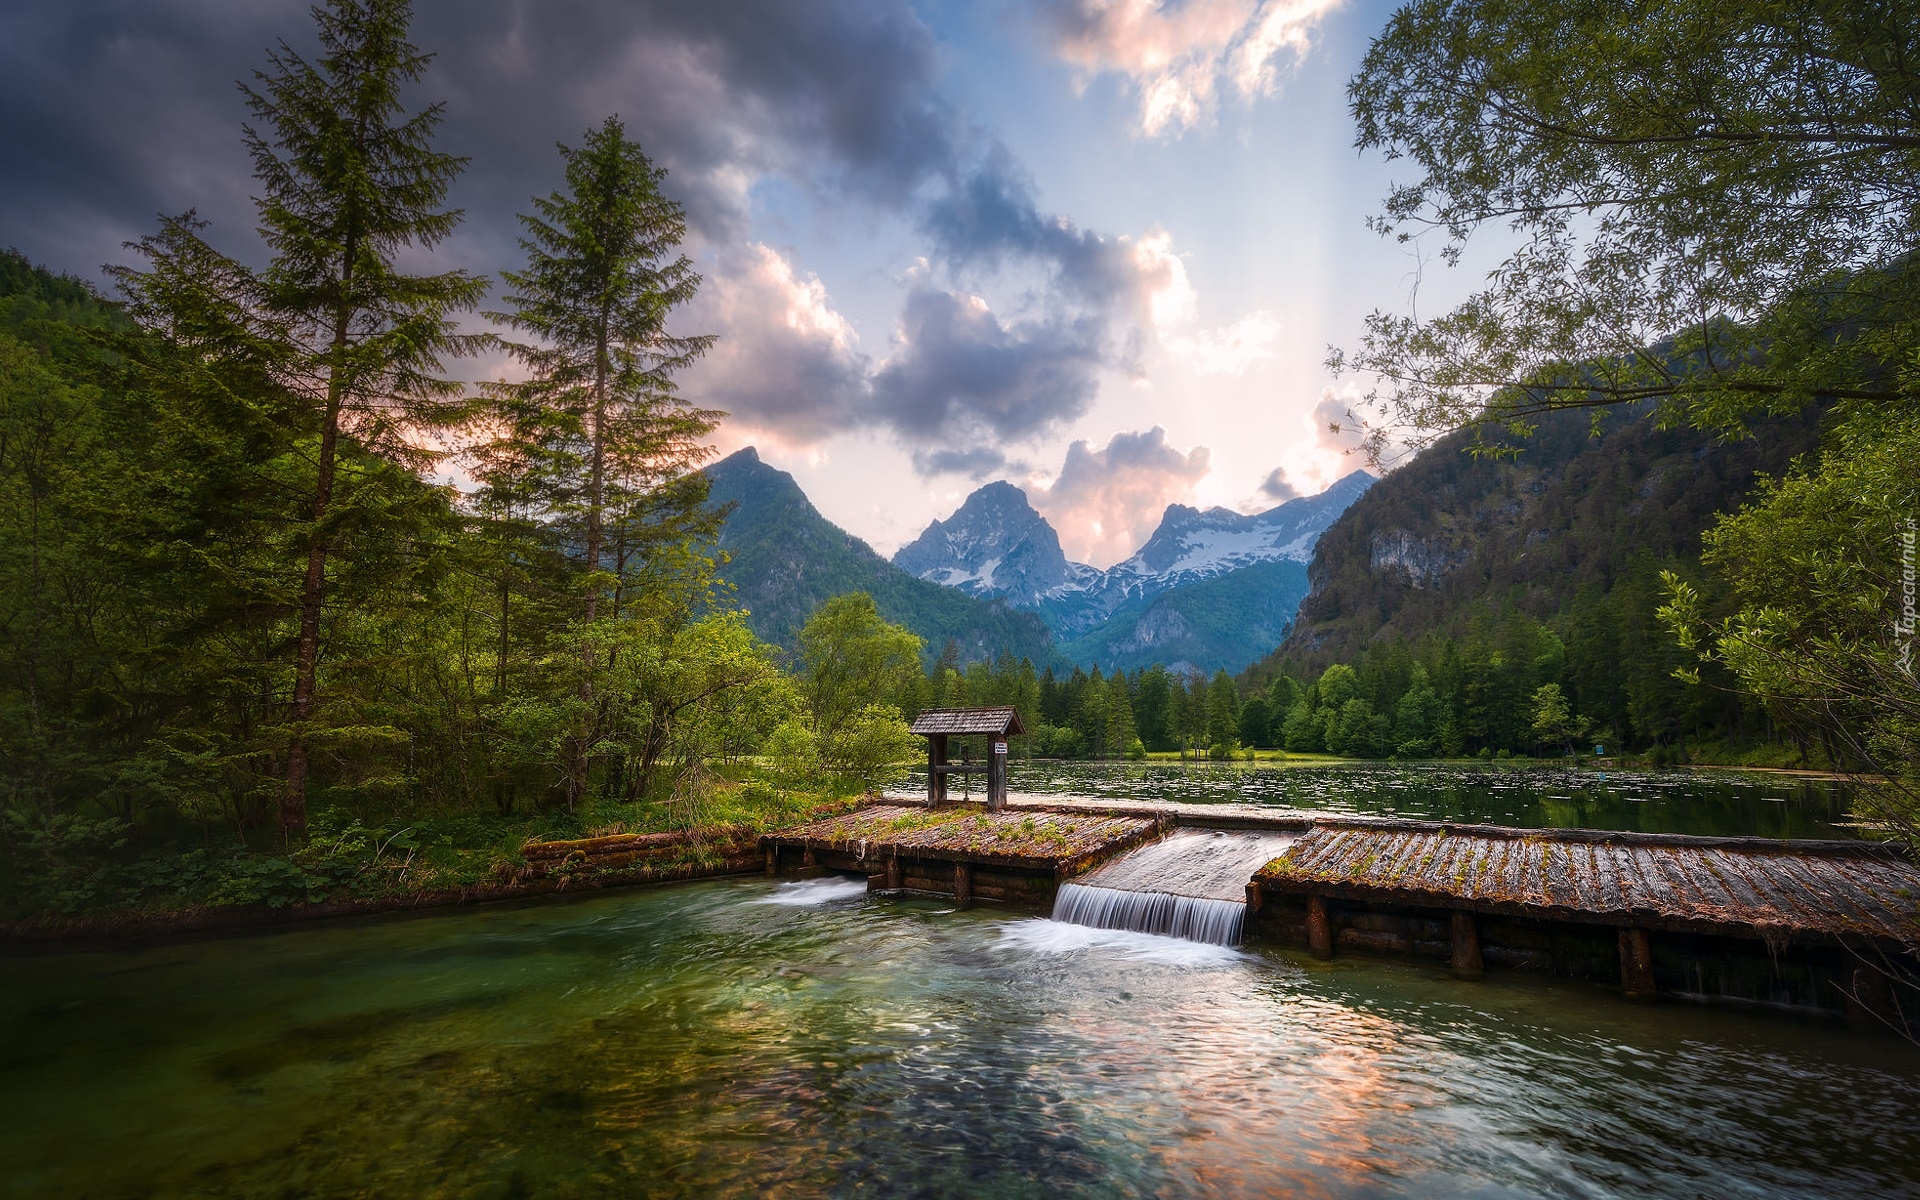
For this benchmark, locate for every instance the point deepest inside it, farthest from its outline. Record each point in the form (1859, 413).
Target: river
(749, 1037)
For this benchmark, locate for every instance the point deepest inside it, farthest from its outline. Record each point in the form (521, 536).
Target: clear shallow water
(701, 1041)
(1718, 803)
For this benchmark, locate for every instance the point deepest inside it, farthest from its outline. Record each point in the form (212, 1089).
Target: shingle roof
(1002, 721)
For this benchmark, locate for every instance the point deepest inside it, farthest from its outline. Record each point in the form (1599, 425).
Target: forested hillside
(1563, 515)
(1485, 578)
(784, 559)
(1213, 624)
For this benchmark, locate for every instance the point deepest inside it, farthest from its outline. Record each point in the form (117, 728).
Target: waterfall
(1191, 885)
(1197, 920)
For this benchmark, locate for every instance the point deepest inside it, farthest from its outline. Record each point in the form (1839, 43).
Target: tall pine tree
(603, 274)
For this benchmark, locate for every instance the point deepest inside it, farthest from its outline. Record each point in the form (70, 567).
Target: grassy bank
(95, 875)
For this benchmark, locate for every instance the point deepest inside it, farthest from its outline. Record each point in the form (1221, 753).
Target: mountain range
(1209, 590)
(784, 559)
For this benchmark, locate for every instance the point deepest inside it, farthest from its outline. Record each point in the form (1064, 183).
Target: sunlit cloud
(1179, 58)
(1104, 503)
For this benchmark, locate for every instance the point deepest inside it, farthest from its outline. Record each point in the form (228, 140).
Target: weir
(1192, 885)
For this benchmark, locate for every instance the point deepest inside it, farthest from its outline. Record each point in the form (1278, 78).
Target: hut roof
(1001, 721)
(1704, 884)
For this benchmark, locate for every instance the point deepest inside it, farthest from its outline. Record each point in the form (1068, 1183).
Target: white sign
(999, 747)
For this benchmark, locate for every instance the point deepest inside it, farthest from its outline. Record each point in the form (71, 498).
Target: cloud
(1337, 427)
(118, 109)
(789, 363)
(1179, 57)
(1104, 503)
(958, 371)
(1277, 488)
(975, 462)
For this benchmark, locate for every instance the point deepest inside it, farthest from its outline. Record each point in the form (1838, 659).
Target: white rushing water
(1191, 885)
(810, 892)
(1216, 922)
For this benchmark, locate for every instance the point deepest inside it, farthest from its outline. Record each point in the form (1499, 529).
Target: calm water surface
(1723, 803)
(747, 1037)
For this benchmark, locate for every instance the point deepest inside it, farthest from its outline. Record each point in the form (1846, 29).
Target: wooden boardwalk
(1058, 844)
(1833, 892)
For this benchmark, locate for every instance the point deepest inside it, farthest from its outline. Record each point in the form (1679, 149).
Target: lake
(1722, 803)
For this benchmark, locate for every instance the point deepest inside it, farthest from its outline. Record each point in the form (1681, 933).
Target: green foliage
(1733, 181)
(875, 747)
(851, 658)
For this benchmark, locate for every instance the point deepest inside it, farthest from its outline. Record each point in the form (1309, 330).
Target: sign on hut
(997, 724)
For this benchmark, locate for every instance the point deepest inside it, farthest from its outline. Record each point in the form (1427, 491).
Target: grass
(365, 853)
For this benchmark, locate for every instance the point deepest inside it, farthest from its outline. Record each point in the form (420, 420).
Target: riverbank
(353, 866)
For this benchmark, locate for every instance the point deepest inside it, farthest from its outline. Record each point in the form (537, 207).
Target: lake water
(1722, 803)
(747, 1037)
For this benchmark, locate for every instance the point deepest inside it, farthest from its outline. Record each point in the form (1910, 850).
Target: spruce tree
(351, 346)
(620, 444)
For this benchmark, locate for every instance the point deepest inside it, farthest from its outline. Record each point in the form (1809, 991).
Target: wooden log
(1465, 960)
(617, 841)
(806, 858)
(1636, 965)
(963, 882)
(1380, 941)
(893, 873)
(1870, 1006)
(1319, 931)
(773, 861)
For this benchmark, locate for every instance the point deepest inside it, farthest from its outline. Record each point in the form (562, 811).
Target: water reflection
(1713, 803)
(698, 1041)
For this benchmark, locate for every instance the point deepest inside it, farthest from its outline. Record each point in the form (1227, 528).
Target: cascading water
(1191, 885)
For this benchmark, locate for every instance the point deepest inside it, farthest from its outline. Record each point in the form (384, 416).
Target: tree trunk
(596, 499)
(293, 797)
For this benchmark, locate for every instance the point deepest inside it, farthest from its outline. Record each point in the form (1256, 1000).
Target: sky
(1099, 248)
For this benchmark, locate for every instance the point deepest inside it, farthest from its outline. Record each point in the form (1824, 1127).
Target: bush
(793, 753)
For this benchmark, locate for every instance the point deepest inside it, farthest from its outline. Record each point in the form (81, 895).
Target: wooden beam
(1870, 1006)
(1319, 931)
(893, 873)
(963, 882)
(1636, 965)
(773, 861)
(1466, 961)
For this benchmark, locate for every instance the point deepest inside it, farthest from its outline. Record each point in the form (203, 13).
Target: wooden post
(773, 861)
(963, 882)
(997, 775)
(1870, 1007)
(806, 857)
(936, 778)
(893, 873)
(1636, 965)
(1319, 930)
(1466, 960)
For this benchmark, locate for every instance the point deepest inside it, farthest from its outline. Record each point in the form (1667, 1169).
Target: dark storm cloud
(975, 462)
(992, 218)
(1276, 486)
(118, 109)
(112, 111)
(960, 371)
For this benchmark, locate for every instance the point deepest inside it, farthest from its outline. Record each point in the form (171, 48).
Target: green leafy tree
(1732, 183)
(1553, 721)
(849, 658)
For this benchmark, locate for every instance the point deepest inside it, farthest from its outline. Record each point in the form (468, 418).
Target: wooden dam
(1816, 927)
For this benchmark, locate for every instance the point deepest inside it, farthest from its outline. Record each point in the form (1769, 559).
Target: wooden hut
(997, 724)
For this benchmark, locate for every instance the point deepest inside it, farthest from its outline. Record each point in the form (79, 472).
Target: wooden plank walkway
(1062, 844)
(1743, 887)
